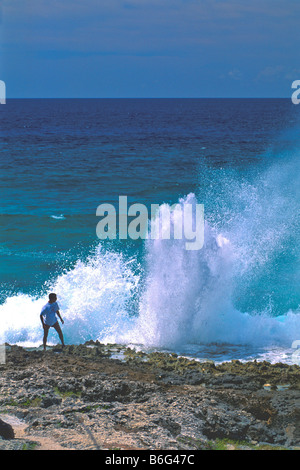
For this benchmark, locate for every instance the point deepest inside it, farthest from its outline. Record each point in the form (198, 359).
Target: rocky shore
(96, 396)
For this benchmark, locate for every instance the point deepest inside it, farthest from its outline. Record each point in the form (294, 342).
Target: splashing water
(94, 299)
(236, 290)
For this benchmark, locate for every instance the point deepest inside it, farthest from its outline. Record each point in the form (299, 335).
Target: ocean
(235, 298)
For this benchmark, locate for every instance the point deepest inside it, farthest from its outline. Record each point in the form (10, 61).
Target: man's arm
(59, 316)
(42, 320)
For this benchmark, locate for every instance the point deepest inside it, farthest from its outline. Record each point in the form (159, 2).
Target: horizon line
(149, 98)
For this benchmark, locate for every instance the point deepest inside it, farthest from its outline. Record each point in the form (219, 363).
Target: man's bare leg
(46, 330)
(60, 334)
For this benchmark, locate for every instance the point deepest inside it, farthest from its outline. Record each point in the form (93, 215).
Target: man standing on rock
(48, 316)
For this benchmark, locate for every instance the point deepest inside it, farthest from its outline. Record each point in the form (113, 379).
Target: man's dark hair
(52, 296)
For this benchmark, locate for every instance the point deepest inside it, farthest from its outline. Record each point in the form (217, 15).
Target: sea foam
(182, 298)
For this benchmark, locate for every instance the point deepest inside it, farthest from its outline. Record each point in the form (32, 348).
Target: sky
(149, 48)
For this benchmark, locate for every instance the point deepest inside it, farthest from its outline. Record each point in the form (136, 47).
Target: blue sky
(149, 48)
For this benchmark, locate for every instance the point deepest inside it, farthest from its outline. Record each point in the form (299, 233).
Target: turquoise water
(237, 297)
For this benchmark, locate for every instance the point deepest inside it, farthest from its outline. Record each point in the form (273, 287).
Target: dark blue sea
(236, 298)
